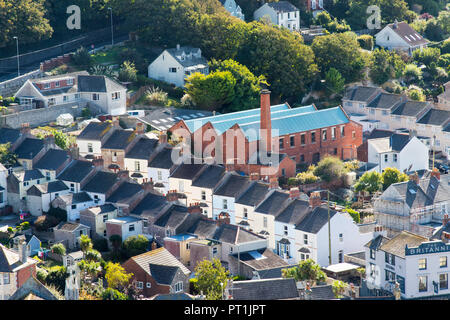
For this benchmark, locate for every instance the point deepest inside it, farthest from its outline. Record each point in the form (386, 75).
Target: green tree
(82, 58)
(385, 65)
(370, 181)
(136, 245)
(433, 30)
(354, 214)
(392, 175)
(330, 169)
(342, 52)
(128, 72)
(117, 277)
(212, 91)
(412, 73)
(113, 294)
(427, 56)
(307, 270)
(416, 94)
(85, 243)
(7, 157)
(93, 255)
(211, 279)
(116, 242)
(338, 287)
(247, 88)
(445, 46)
(58, 248)
(57, 276)
(334, 81)
(366, 41)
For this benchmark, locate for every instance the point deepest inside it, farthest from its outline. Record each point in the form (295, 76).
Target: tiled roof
(50, 187)
(173, 217)
(76, 171)
(9, 135)
(29, 148)
(273, 203)
(265, 289)
(232, 186)
(75, 198)
(397, 244)
(386, 101)
(187, 171)
(163, 274)
(151, 204)
(98, 84)
(395, 142)
(360, 93)
(160, 257)
(95, 131)
(162, 159)
(295, 211)
(204, 228)
(407, 33)
(410, 108)
(124, 192)
(377, 242)
(315, 220)
(233, 234)
(52, 159)
(282, 6)
(28, 175)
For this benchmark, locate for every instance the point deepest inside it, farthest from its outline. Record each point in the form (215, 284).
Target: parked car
(443, 168)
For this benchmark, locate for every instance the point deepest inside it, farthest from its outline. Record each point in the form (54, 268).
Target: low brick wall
(132, 98)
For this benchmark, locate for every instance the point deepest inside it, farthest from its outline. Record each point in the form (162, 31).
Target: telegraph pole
(329, 227)
(18, 63)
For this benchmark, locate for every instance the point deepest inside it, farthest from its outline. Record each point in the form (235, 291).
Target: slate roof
(95, 131)
(265, 289)
(204, 228)
(378, 133)
(282, 6)
(52, 160)
(232, 186)
(32, 287)
(410, 108)
(187, 171)
(396, 142)
(68, 226)
(262, 259)
(360, 93)
(233, 234)
(273, 273)
(163, 274)
(386, 101)
(10, 261)
(273, 203)
(435, 117)
(397, 244)
(28, 175)
(101, 182)
(377, 242)
(315, 220)
(162, 159)
(160, 257)
(9, 135)
(124, 192)
(294, 212)
(75, 198)
(407, 33)
(29, 148)
(98, 84)
(76, 171)
(151, 204)
(105, 208)
(120, 139)
(322, 293)
(50, 187)
(253, 195)
(188, 62)
(143, 149)
(173, 217)
(209, 177)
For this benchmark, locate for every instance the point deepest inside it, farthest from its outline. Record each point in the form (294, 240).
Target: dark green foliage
(44, 222)
(113, 294)
(57, 276)
(58, 213)
(136, 245)
(100, 244)
(82, 58)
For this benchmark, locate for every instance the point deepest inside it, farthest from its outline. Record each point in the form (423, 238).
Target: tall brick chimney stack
(314, 199)
(266, 122)
(435, 173)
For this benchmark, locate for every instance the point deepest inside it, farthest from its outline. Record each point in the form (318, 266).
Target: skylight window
(407, 38)
(155, 121)
(186, 117)
(201, 114)
(412, 37)
(163, 120)
(412, 191)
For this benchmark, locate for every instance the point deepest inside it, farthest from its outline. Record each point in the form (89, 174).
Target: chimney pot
(265, 121)
(163, 137)
(315, 200)
(414, 177)
(435, 173)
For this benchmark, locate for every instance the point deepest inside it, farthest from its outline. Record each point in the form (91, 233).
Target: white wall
(159, 70)
(218, 207)
(165, 173)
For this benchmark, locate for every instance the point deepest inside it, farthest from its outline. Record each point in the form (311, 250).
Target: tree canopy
(211, 279)
(306, 270)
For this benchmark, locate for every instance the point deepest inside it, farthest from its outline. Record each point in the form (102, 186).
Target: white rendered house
(281, 13)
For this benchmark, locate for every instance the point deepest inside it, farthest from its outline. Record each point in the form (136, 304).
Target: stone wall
(9, 88)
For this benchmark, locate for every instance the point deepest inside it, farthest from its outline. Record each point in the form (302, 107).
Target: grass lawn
(51, 263)
(107, 57)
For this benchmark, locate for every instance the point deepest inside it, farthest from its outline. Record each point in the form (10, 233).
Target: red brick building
(303, 134)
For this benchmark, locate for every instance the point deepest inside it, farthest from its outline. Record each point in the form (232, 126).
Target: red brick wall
(107, 155)
(24, 274)
(363, 154)
(113, 229)
(173, 247)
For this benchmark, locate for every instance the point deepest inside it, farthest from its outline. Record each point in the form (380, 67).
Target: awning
(284, 241)
(304, 250)
(137, 175)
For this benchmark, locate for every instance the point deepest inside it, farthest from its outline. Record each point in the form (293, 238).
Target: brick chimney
(49, 142)
(414, 177)
(140, 128)
(115, 122)
(294, 193)
(74, 151)
(194, 208)
(435, 173)
(25, 128)
(254, 176)
(172, 196)
(123, 174)
(147, 186)
(266, 123)
(163, 137)
(445, 220)
(273, 183)
(223, 218)
(98, 162)
(23, 251)
(314, 199)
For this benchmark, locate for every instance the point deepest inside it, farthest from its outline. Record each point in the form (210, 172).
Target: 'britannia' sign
(428, 247)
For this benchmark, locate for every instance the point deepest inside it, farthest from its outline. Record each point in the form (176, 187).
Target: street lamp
(112, 30)
(17, 46)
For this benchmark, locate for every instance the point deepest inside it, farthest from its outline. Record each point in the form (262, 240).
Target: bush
(82, 58)
(128, 72)
(41, 275)
(307, 177)
(330, 169)
(58, 213)
(58, 248)
(57, 276)
(113, 294)
(86, 113)
(135, 245)
(155, 96)
(365, 41)
(354, 214)
(44, 222)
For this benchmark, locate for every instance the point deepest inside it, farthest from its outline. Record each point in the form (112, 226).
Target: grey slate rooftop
(273, 203)
(209, 177)
(120, 139)
(76, 171)
(315, 220)
(53, 159)
(124, 192)
(92, 83)
(162, 159)
(187, 62)
(397, 244)
(234, 185)
(75, 198)
(265, 289)
(101, 182)
(262, 259)
(410, 108)
(282, 6)
(151, 204)
(294, 212)
(50, 187)
(29, 148)
(143, 149)
(407, 33)
(163, 274)
(435, 117)
(204, 228)
(386, 101)
(233, 234)
(187, 171)
(9, 135)
(95, 131)
(360, 93)
(28, 175)
(253, 195)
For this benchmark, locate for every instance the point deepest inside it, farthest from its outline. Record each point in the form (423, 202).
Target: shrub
(44, 222)
(82, 58)
(101, 244)
(354, 214)
(128, 72)
(365, 41)
(186, 101)
(41, 275)
(330, 169)
(307, 177)
(58, 213)
(86, 113)
(113, 294)
(155, 96)
(135, 245)
(58, 248)
(57, 276)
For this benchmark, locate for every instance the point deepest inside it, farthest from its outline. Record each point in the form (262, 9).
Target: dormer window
(57, 84)
(70, 82)
(47, 85)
